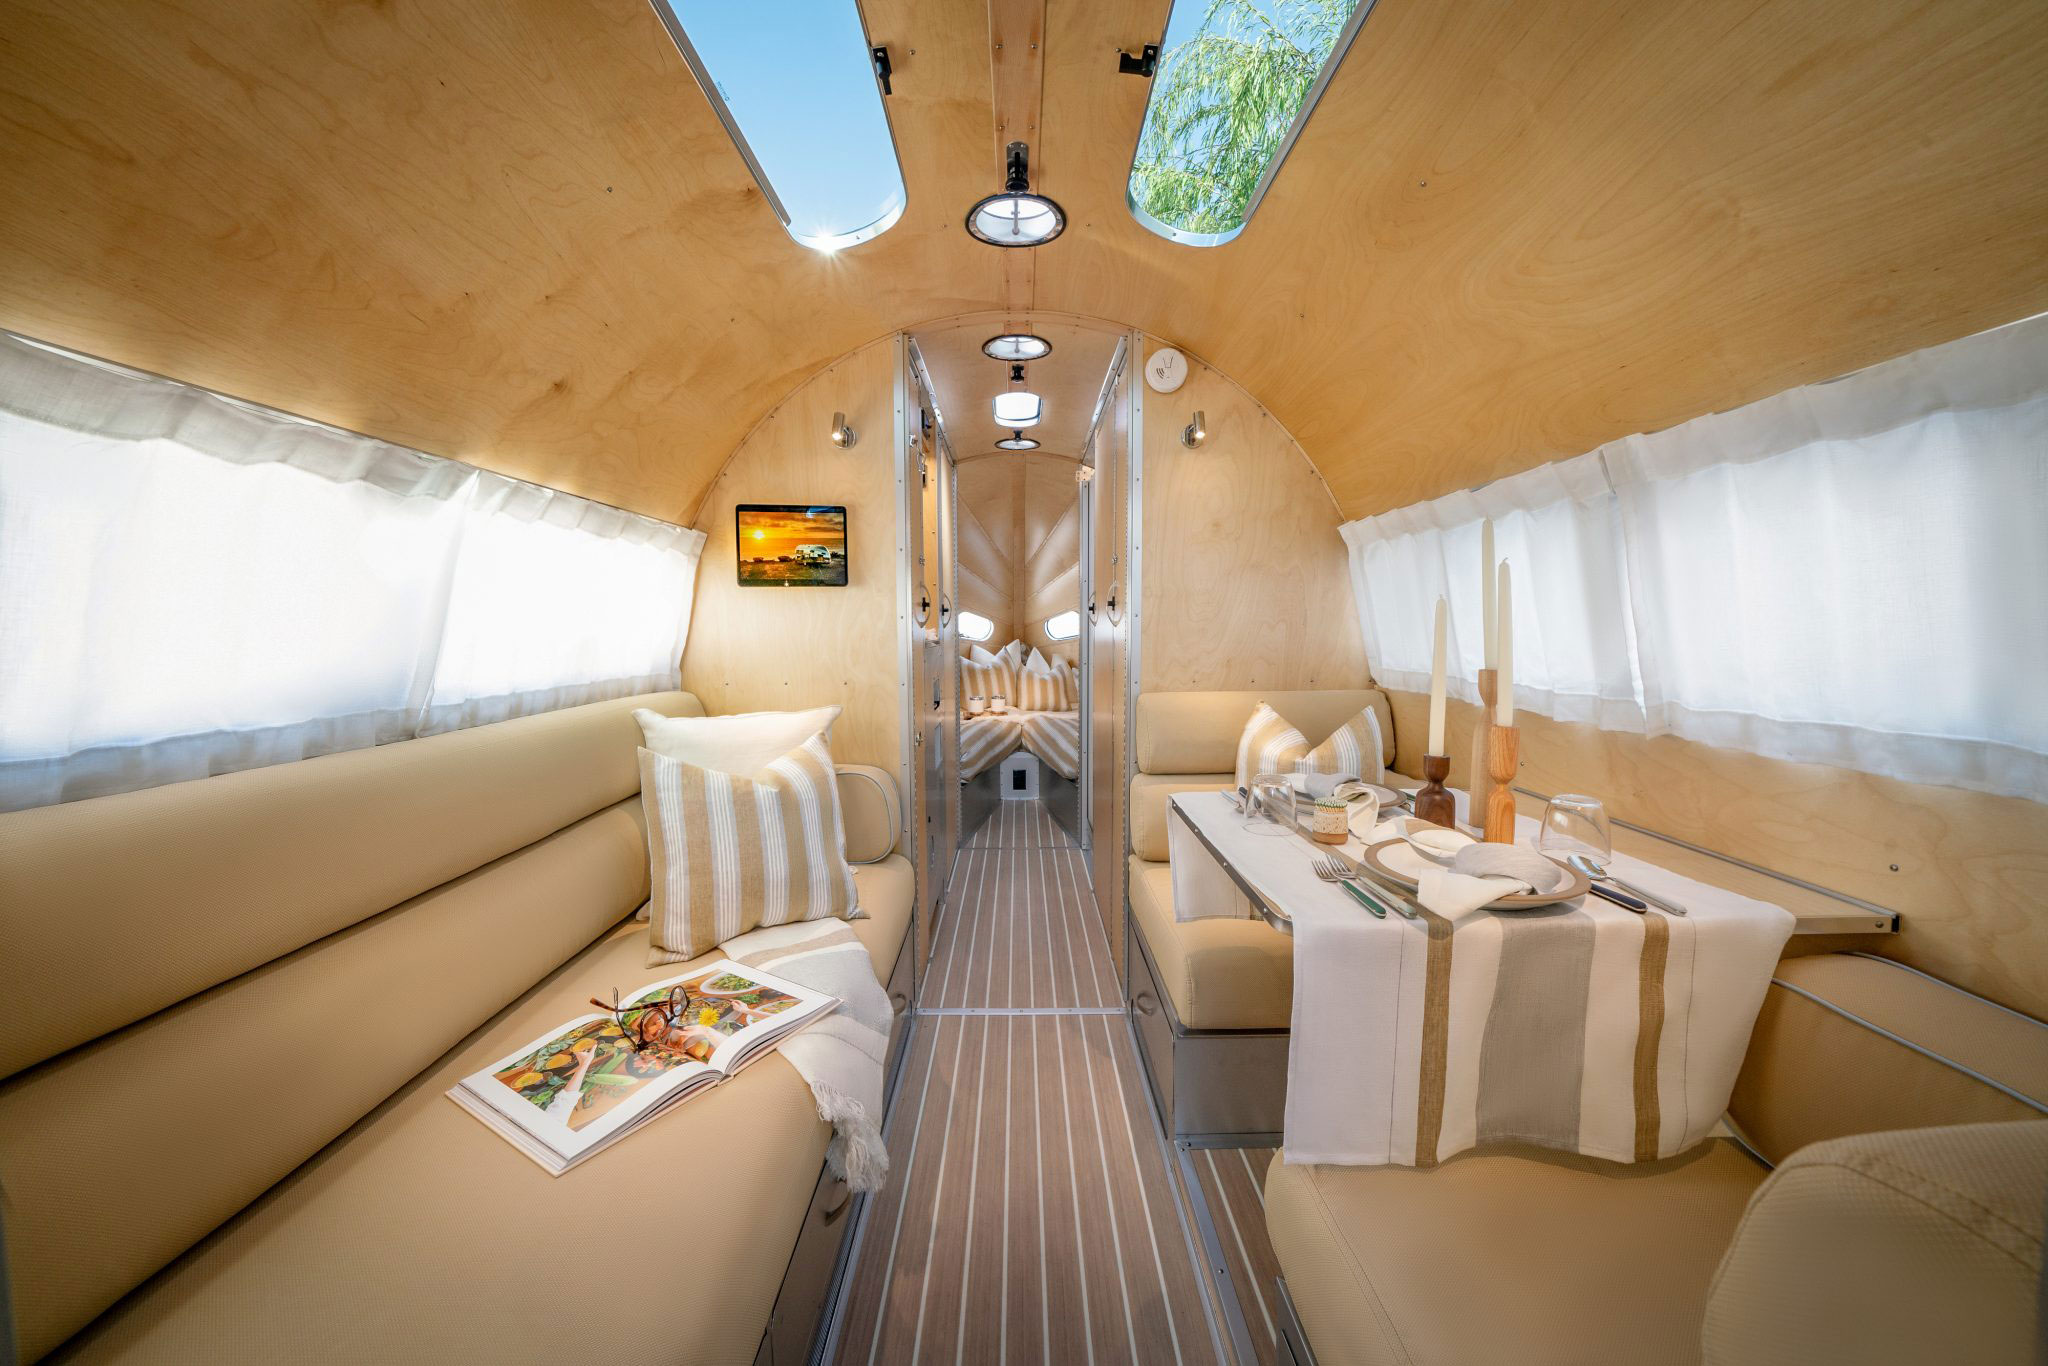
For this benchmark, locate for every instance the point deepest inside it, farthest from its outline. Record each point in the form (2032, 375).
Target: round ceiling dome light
(1016, 217)
(1014, 346)
(1016, 441)
(1016, 408)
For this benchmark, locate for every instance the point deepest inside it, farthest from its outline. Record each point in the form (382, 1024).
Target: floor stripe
(1078, 1250)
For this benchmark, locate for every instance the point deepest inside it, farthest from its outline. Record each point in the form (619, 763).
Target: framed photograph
(785, 545)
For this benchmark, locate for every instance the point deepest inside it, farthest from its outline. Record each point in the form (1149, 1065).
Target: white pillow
(1014, 652)
(1038, 661)
(742, 745)
(977, 655)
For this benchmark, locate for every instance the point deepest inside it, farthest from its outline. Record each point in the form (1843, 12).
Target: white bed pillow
(742, 745)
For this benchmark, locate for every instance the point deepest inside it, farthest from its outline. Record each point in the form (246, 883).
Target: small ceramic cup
(976, 705)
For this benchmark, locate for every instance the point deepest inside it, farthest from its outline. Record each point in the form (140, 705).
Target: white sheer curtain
(1557, 525)
(1852, 573)
(192, 585)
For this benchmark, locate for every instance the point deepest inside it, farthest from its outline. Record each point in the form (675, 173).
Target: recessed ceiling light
(1016, 441)
(1018, 408)
(1017, 346)
(1016, 217)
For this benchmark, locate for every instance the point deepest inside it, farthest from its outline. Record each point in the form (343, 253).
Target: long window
(192, 585)
(1237, 80)
(1852, 573)
(796, 86)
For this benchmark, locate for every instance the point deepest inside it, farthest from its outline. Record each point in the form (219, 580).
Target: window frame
(960, 620)
(837, 242)
(1360, 12)
(1051, 634)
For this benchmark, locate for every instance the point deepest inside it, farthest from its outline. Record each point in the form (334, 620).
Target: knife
(1618, 898)
(1378, 910)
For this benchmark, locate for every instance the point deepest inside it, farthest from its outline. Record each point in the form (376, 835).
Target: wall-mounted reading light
(1016, 217)
(1196, 432)
(843, 436)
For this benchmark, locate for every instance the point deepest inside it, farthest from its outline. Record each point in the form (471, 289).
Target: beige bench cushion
(1219, 974)
(1847, 1044)
(1507, 1255)
(1149, 815)
(1197, 732)
(1889, 1249)
(419, 1235)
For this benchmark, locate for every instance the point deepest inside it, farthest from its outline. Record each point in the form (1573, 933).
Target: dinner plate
(1374, 858)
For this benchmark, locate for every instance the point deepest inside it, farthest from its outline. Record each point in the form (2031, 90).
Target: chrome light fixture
(1016, 441)
(1017, 346)
(1016, 408)
(1196, 432)
(1016, 217)
(843, 436)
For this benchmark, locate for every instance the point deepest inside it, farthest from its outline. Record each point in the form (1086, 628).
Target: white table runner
(1584, 1027)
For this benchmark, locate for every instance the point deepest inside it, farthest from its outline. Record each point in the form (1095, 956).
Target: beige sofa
(1213, 997)
(234, 1006)
(1903, 1222)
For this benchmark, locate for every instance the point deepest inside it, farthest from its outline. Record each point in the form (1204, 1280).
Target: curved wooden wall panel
(777, 649)
(1246, 582)
(513, 232)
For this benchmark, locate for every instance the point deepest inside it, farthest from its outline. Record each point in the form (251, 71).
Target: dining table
(1583, 1026)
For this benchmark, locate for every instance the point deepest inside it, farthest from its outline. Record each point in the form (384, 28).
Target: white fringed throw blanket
(841, 1055)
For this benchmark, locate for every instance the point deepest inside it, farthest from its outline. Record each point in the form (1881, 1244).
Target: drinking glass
(1272, 809)
(1574, 824)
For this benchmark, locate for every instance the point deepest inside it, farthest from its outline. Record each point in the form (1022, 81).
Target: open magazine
(585, 1085)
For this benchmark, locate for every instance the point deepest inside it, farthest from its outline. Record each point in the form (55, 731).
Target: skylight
(794, 82)
(1237, 80)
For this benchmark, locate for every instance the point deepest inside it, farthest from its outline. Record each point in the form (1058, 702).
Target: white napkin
(1482, 874)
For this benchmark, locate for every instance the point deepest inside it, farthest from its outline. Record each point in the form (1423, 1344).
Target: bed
(1054, 736)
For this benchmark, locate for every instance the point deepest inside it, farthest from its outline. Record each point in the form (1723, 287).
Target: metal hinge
(1144, 64)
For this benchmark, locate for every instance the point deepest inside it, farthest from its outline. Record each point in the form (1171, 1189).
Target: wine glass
(1272, 809)
(1575, 824)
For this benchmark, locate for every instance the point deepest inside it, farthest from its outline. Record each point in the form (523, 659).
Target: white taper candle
(1436, 686)
(1504, 704)
(1489, 628)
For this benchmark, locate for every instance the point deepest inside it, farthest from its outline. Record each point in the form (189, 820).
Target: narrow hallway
(1029, 1214)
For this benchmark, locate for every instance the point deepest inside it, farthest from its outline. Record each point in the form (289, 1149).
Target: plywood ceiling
(966, 381)
(513, 232)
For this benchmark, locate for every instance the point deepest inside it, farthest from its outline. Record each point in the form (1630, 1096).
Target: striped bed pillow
(1039, 690)
(732, 854)
(1271, 744)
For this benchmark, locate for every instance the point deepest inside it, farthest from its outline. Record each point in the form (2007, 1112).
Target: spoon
(1586, 864)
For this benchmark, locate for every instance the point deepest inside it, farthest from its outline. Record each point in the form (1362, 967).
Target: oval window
(974, 626)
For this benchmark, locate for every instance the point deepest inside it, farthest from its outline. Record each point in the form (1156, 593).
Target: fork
(1329, 873)
(1339, 871)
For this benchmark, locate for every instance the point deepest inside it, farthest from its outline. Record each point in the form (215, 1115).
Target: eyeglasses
(656, 1017)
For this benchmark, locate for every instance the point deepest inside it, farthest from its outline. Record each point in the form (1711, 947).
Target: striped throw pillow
(732, 854)
(1039, 690)
(1070, 683)
(1271, 744)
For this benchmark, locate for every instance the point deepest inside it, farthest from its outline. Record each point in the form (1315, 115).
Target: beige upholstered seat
(1507, 1255)
(1219, 974)
(421, 1236)
(1889, 1250)
(231, 1004)
(1921, 1245)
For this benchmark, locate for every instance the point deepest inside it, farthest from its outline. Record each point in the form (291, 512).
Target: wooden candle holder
(1433, 802)
(1480, 787)
(1503, 757)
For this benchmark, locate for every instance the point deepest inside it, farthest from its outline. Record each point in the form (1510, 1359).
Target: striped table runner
(1583, 1027)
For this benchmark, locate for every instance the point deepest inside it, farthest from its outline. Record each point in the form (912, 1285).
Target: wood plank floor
(1020, 825)
(1031, 1213)
(1019, 929)
(1233, 1185)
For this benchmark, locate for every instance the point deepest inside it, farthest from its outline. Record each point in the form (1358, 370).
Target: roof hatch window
(1237, 80)
(795, 83)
